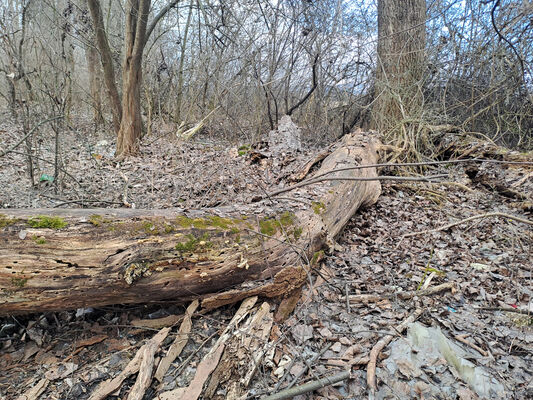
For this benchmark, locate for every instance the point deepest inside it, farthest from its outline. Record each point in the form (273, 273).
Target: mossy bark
(97, 257)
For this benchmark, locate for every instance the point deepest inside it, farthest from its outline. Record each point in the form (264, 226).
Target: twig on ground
(285, 375)
(374, 298)
(212, 358)
(359, 360)
(506, 309)
(308, 387)
(456, 184)
(462, 339)
(310, 362)
(82, 201)
(486, 215)
(184, 364)
(347, 294)
(318, 178)
(362, 179)
(380, 345)
(414, 164)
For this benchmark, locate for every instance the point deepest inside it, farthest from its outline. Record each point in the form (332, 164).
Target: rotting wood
(179, 343)
(212, 358)
(97, 257)
(157, 323)
(146, 352)
(35, 391)
(304, 171)
(245, 349)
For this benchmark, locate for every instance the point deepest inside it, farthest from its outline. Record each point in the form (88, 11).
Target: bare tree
(400, 69)
(127, 115)
(107, 62)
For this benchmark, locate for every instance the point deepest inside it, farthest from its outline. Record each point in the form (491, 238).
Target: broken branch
(374, 298)
(380, 345)
(486, 215)
(308, 387)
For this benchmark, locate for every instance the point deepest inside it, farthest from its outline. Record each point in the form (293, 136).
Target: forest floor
(466, 343)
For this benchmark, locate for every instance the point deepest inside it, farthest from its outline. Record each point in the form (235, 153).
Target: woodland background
(160, 113)
(236, 67)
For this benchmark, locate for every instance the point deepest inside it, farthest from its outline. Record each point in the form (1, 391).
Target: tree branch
(29, 134)
(315, 84)
(159, 15)
(340, 178)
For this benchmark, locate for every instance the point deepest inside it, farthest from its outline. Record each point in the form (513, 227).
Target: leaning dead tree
(57, 259)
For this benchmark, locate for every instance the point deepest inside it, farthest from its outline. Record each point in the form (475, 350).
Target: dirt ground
(484, 319)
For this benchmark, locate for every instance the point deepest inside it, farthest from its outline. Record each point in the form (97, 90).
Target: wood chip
(179, 343)
(109, 386)
(35, 391)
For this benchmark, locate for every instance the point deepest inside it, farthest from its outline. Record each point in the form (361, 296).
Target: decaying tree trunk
(53, 259)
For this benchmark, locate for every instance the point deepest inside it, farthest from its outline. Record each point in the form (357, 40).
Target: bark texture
(107, 62)
(401, 61)
(93, 68)
(130, 131)
(56, 259)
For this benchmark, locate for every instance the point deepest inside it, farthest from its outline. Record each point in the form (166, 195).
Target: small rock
(302, 332)
(337, 347)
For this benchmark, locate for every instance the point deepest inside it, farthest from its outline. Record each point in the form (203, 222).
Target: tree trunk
(74, 258)
(11, 96)
(130, 131)
(107, 62)
(179, 94)
(401, 62)
(91, 55)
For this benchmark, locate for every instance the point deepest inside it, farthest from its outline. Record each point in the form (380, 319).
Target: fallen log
(57, 259)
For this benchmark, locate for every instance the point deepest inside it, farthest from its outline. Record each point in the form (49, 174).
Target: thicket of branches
(242, 64)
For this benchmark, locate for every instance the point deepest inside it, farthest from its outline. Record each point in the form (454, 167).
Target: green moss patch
(150, 228)
(269, 226)
(193, 243)
(219, 222)
(183, 221)
(245, 148)
(212, 221)
(169, 228)
(39, 239)
(98, 220)
(5, 221)
(43, 221)
(318, 207)
(319, 255)
(199, 223)
(19, 282)
(297, 233)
